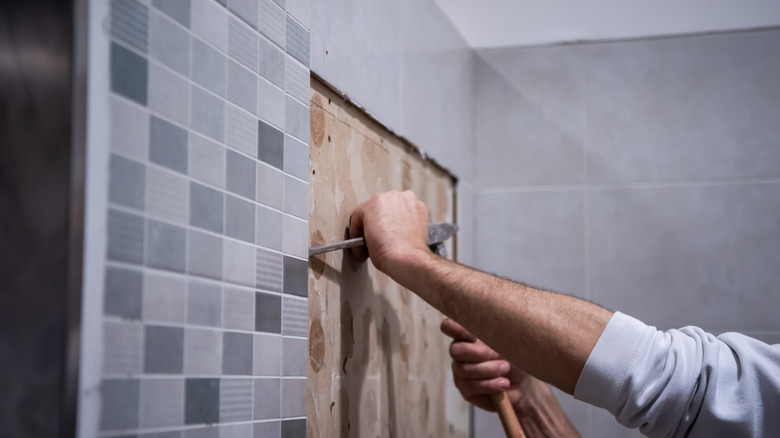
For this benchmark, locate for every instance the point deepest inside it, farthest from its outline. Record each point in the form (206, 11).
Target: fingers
(470, 388)
(456, 331)
(359, 253)
(472, 352)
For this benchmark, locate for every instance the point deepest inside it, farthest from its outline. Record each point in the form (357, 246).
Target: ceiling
(502, 23)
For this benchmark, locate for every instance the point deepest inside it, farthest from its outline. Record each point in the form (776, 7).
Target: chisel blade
(437, 233)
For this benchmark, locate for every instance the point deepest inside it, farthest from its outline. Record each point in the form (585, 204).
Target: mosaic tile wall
(205, 312)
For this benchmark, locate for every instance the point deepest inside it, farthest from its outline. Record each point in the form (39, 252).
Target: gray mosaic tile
(270, 186)
(202, 432)
(296, 274)
(119, 404)
(238, 308)
(240, 219)
(270, 145)
(296, 80)
(272, 22)
(297, 41)
(205, 305)
(271, 62)
(125, 237)
(169, 43)
(162, 402)
(204, 255)
(269, 228)
(295, 316)
(167, 144)
(268, 313)
(246, 9)
(129, 127)
(268, 429)
(166, 246)
(122, 349)
(271, 103)
(293, 398)
(296, 158)
(165, 298)
(267, 396)
(129, 23)
(242, 43)
(240, 175)
(128, 74)
(202, 352)
(242, 86)
(127, 179)
(201, 401)
(241, 131)
(294, 428)
(206, 160)
(179, 10)
(206, 207)
(209, 21)
(208, 67)
(163, 350)
(239, 263)
(268, 355)
(295, 357)
(296, 197)
(237, 353)
(296, 237)
(169, 94)
(238, 430)
(207, 114)
(167, 196)
(296, 119)
(269, 270)
(123, 293)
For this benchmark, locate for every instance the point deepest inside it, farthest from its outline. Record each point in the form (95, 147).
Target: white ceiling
(500, 23)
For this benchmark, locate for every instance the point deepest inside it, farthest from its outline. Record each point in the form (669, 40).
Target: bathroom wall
(642, 175)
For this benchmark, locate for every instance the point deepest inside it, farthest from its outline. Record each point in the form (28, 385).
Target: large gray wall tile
(169, 43)
(295, 316)
(206, 161)
(296, 119)
(241, 131)
(270, 186)
(267, 399)
(242, 86)
(272, 62)
(296, 80)
(296, 236)
(127, 182)
(129, 129)
(165, 245)
(165, 298)
(125, 237)
(204, 304)
(237, 353)
(242, 42)
(238, 308)
(169, 94)
(268, 313)
(238, 264)
(270, 145)
(120, 401)
(296, 276)
(294, 428)
(122, 347)
(167, 196)
(206, 207)
(162, 403)
(239, 219)
(202, 352)
(235, 403)
(167, 144)
(240, 175)
(268, 355)
(269, 429)
(204, 255)
(272, 22)
(269, 228)
(295, 357)
(208, 67)
(296, 197)
(209, 20)
(129, 23)
(293, 398)
(128, 74)
(201, 401)
(246, 9)
(297, 41)
(179, 10)
(271, 103)
(123, 289)
(163, 349)
(296, 158)
(207, 113)
(269, 270)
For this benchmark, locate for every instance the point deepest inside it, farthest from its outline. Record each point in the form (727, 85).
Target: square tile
(272, 22)
(237, 353)
(125, 237)
(296, 275)
(207, 114)
(238, 430)
(296, 197)
(204, 255)
(206, 161)
(179, 10)
(238, 308)
(269, 228)
(163, 350)
(205, 304)
(293, 398)
(268, 313)
(239, 263)
(296, 119)
(129, 23)
(295, 357)
(301, 11)
(246, 9)
(241, 131)
(208, 67)
(242, 43)
(169, 43)
(119, 404)
(123, 293)
(165, 298)
(167, 145)
(235, 397)
(268, 429)
(167, 196)
(202, 352)
(268, 355)
(270, 186)
(296, 158)
(241, 86)
(127, 179)
(206, 207)
(270, 145)
(240, 219)
(297, 41)
(169, 94)
(129, 129)
(209, 21)
(166, 246)
(240, 175)
(267, 397)
(128, 74)
(271, 103)
(162, 402)
(295, 316)
(122, 347)
(271, 62)
(296, 80)
(202, 432)
(296, 236)
(269, 270)
(294, 428)
(201, 401)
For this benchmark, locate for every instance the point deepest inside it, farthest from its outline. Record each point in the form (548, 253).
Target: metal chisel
(437, 235)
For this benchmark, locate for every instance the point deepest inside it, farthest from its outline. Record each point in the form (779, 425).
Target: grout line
(186, 427)
(603, 186)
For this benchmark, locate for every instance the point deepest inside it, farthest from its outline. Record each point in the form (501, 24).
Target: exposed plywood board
(377, 361)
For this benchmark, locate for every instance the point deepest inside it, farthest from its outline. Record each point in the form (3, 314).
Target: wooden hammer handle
(506, 413)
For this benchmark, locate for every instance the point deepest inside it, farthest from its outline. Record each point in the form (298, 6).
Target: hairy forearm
(548, 335)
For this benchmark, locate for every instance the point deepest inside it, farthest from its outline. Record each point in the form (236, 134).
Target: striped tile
(206, 161)
(241, 131)
(130, 23)
(235, 400)
(125, 237)
(169, 94)
(272, 22)
(269, 270)
(167, 196)
(243, 44)
(296, 80)
(122, 347)
(295, 316)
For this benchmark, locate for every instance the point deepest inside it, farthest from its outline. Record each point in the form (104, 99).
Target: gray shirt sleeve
(683, 382)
